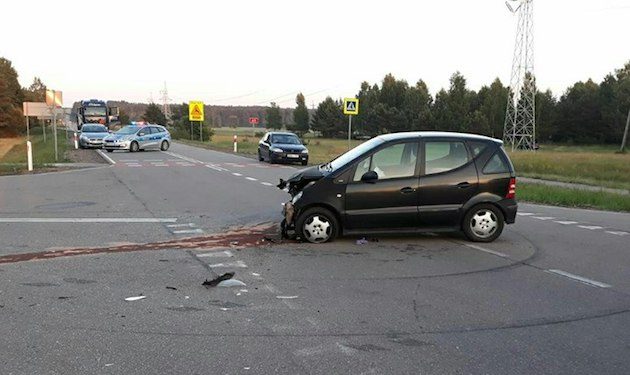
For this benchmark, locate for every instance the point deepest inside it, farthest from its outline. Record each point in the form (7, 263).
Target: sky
(252, 52)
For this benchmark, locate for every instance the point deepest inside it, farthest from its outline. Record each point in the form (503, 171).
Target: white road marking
(543, 217)
(525, 214)
(86, 220)
(237, 264)
(617, 233)
(183, 157)
(216, 168)
(220, 254)
(109, 160)
(485, 250)
(126, 160)
(590, 227)
(181, 225)
(188, 231)
(154, 160)
(565, 222)
(286, 297)
(251, 178)
(159, 165)
(267, 183)
(237, 174)
(580, 278)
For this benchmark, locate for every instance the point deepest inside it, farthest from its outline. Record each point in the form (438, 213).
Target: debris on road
(233, 243)
(136, 298)
(217, 280)
(231, 282)
(171, 288)
(362, 241)
(255, 274)
(286, 297)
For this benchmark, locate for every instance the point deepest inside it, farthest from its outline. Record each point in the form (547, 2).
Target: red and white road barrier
(235, 143)
(29, 155)
(76, 141)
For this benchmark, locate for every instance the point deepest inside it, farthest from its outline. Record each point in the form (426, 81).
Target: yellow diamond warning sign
(195, 111)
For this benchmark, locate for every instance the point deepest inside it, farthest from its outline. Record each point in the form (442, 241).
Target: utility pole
(519, 129)
(625, 134)
(166, 107)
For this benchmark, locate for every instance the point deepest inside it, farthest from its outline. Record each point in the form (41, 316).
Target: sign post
(254, 121)
(350, 107)
(29, 155)
(195, 113)
(54, 100)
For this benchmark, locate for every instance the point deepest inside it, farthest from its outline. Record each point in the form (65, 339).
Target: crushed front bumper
(288, 226)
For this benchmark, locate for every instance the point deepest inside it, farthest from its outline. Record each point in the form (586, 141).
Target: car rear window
(477, 147)
(496, 164)
(443, 156)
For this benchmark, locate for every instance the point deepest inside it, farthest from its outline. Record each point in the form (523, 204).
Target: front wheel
(483, 223)
(133, 147)
(317, 225)
(164, 145)
(260, 158)
(108, 150)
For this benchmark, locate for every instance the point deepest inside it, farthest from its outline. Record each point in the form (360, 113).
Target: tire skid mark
(238, 237)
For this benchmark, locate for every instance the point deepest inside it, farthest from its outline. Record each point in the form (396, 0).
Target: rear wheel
(164, 145)
(133, 147)
(483, 223)
(317, 225)
(260, 158)
(304, 162)
(108, 150)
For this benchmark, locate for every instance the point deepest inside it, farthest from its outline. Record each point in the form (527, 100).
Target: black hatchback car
(282, 147)
(406, 182)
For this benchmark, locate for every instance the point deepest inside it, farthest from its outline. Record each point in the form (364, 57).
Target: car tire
(260, 158)
(483, 223)
(304, 162)
(317, 225)
(133, 147)
(110, 150)
(164, 145)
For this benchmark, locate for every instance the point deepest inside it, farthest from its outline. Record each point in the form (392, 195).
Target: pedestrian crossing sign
(351, 106)
(195, 111)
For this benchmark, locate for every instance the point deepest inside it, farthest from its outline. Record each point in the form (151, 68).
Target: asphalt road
(552, 295)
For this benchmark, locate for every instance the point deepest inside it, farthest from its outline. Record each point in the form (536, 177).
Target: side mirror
(369, 176)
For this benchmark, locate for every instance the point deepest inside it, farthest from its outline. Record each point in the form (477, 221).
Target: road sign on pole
(350, 107)
(254, 120)
(195, 111)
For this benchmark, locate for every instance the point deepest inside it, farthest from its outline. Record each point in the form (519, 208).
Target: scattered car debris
(217, 280)
(255, 274)
(234, 243)
(231, 282)
(171, 288)
(269, 239)
(136, 298)
(362, 241)
(373, 239)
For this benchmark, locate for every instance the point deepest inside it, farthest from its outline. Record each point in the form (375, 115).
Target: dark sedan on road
(91, 135)
(279, 147)
(406, 182)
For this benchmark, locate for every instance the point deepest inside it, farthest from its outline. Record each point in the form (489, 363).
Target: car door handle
(464, 185)
(407, 190)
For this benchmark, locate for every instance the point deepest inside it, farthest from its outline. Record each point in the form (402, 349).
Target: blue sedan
(135, 138)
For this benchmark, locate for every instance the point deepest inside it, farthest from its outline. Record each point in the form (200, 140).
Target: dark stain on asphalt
(225, 304)
(40, 284)
(367, 347)
(185, 309)
(246, 237)
(63, 206)
(74, 280)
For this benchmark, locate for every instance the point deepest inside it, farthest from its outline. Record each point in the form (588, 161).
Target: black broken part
(217, 280)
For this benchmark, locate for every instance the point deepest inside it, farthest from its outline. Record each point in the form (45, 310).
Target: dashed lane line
(188, 231)
(565, 222)
(617, 233)
(86, 220)
(267, 183)
(581, 279)
(251, 178)
(220, 254)
(525, 213)
(590, 227)
(476, 247)
(543, 217)
(237, 174)
(237, 264)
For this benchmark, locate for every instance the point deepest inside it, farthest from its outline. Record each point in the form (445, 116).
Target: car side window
(155, 130)
(394, 161)
(477, 147)
(443, 156)
(496, 164)
(143, 131)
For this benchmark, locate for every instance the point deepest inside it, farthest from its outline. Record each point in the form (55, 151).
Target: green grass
(558, 196)
(587, 166)
(43, 153)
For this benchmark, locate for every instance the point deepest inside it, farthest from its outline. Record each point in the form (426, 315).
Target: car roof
(436, 134)
(282, 133)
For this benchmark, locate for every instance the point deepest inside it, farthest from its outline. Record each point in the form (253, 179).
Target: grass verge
(15, 160)
(558, 196)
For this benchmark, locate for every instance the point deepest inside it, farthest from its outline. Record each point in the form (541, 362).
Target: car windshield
(349, 156)
(95, 111)
(127, 130)
(286, 139)
(93, 129)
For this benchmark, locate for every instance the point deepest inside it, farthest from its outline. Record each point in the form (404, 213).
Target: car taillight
(511, 194)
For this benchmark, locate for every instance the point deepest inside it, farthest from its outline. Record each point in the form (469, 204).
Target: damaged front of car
(308, 188)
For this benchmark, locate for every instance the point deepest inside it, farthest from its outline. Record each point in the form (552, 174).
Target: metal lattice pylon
(166, 108)
(519, 130)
